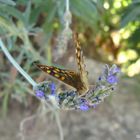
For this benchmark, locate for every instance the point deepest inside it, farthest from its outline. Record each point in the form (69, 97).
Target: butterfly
(77, 79)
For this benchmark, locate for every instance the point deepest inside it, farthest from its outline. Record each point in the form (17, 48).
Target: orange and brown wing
(67, 76)
(80, 63)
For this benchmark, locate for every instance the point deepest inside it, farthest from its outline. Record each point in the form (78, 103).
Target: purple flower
(100, 78)
(83, 104)
(72, 94)
(53, 88)
(112, 79)
(82, 100)
(94, 106)
(84, 107)
(40, 93)
(116, 70)
(53, 92)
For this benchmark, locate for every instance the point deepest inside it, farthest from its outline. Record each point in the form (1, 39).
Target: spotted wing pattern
(67, 76)
(81, 65)
(78, 80)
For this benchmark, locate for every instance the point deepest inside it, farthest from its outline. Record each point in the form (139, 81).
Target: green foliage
(131, 13)
(135, 38)
(130, 20)
(8, 2)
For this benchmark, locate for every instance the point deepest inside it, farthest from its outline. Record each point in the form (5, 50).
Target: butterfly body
(78, 80)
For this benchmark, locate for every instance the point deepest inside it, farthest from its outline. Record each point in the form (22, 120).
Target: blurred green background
(109, 32)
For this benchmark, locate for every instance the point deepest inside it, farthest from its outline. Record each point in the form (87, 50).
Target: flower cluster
(70, 100)
(45, 89)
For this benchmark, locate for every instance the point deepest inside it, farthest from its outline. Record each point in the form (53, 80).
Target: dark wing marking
(67, 76)
(80, 63)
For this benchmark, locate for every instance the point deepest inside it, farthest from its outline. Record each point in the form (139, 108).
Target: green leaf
(27, 13)
(134, 38)
(11, 12)
(8, 2)
(86, 10)
(131, 13)
(5, 104)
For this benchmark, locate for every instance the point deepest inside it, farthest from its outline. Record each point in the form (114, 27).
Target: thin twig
(59, 125)
(16, 65)
(67, 6)
(68, 15)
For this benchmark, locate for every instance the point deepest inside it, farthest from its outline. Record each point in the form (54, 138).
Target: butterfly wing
(81, 64)
(67, 76)
(77, 80)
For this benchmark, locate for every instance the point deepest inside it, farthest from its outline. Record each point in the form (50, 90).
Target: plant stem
(16, 65)
(68, 15)
(67, 6)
